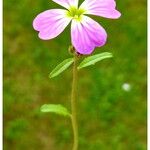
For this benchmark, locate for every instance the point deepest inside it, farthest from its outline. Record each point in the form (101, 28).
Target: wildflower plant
(86, 35)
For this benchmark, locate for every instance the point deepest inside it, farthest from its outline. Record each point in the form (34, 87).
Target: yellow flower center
(75, 13)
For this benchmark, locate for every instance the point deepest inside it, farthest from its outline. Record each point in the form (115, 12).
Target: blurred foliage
(110, 118)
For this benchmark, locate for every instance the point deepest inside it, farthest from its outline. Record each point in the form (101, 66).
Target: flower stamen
(75, 13)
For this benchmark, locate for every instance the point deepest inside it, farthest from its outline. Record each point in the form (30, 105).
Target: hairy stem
(73, 105)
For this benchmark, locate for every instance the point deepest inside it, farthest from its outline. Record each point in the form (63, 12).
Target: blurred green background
(110, 116)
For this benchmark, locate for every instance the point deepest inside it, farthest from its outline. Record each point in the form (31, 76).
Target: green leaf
(55, 108)
(61, 67)
(91, 60)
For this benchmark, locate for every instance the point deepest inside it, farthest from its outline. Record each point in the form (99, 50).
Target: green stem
(73, 105)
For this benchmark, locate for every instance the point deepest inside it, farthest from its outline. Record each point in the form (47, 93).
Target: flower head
(86, 34)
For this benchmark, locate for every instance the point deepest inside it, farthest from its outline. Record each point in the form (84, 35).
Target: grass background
(109, 117)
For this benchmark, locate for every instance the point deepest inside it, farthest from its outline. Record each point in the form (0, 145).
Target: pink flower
(86, 34)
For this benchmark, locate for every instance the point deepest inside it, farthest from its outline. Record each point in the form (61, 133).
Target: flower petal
(51, 23)
(86, 35)
(103, 8)
(67, 3)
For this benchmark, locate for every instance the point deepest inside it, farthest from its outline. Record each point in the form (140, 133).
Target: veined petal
(51, 23)
(86, 35)
(103, 8)
(67, 3)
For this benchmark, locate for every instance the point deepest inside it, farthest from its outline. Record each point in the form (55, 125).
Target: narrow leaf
(55, 108)
(91, 60)
(61, 67)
